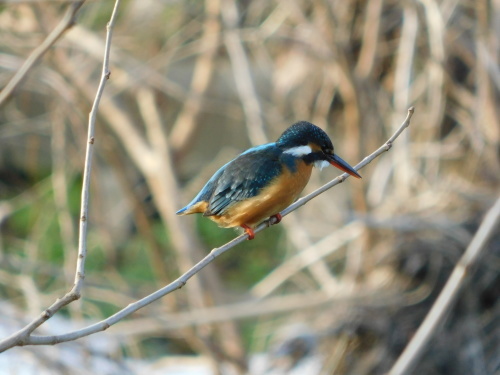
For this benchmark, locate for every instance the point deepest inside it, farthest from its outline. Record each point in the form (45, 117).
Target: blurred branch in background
(450, 291)
(185, 125)
(66, 23)
(189, 79)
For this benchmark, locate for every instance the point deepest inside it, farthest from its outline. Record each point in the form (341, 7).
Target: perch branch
(182, 280)
(444, 302)
(22, 337)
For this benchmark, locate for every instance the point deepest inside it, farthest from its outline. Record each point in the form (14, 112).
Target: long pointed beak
(337, 162)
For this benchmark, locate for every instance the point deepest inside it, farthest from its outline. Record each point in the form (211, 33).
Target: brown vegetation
(344, 281)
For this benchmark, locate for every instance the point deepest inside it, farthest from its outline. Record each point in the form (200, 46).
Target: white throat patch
(299, 151)
(320, 164)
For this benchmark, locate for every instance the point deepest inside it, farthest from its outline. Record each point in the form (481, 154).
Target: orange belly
(282, 192)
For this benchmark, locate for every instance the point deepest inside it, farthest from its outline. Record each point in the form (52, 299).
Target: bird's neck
(294, 163)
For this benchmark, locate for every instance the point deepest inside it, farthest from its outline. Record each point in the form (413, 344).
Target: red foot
(278, 218)
(249, 231)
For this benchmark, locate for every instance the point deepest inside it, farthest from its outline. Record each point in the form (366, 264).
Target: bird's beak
(337, 162)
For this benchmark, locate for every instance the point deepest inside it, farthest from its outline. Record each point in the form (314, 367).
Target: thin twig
(65, 24)
(444, 302)
(82, 241)
(306, 257)
(182, 280)
(22, 336)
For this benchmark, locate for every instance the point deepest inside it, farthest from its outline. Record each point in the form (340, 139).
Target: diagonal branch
(65, 24)
(444, 302)
(182, 280)
(22, 337)
(306, 257)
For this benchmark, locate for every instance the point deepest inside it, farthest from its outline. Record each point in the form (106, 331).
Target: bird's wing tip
(181, 211)
(193, 208)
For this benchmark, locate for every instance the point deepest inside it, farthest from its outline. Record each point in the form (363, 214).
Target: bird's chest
(291, 182)
(275, 197)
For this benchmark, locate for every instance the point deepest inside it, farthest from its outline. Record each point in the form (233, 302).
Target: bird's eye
(327, 151)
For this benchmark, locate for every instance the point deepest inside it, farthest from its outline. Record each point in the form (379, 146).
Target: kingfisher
(264, 180)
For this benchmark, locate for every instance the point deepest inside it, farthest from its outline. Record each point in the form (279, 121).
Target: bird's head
(308, 142)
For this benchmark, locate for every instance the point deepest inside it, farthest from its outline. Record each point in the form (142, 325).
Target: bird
(264, 180)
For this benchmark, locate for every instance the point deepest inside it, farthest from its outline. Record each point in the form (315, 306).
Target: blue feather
(242, 178)
(208, 190)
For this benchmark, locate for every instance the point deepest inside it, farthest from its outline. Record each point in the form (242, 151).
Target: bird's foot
(249, 231)
(278, 218)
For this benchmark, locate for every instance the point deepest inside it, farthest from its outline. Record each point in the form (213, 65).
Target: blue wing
(244, 177)
(239, 179)
(207, 191)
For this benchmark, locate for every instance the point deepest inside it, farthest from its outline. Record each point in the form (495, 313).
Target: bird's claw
(278, 218)
(249, 231)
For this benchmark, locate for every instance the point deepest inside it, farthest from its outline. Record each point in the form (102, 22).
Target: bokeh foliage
(224, 75)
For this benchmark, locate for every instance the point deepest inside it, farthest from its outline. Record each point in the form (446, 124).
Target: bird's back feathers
(240, 179)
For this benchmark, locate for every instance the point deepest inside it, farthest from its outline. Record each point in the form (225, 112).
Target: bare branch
(182, 280)
(65, 24)
(23, 336)
(444, 302)
(82, 241)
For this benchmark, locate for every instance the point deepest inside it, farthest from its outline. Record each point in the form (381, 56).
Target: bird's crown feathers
(304, 133)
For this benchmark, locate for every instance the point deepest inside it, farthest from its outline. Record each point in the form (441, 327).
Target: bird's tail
(182, 211)
(196, 208)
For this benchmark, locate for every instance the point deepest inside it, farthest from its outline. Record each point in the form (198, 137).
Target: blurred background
(341, 285)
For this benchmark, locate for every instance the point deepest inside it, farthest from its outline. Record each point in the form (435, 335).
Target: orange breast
(282, 192)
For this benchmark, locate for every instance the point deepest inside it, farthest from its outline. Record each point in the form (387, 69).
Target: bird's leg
(278, 218)
(249, 231)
